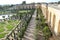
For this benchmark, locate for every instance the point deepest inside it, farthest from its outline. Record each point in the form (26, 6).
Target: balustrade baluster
(7, 38)
(18, 28)
(14, 35)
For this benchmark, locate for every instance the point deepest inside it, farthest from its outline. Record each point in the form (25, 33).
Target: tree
(58, 2)
(3, 16)
(24, 2)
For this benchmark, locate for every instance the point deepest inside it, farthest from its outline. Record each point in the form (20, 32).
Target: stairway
(29, 34)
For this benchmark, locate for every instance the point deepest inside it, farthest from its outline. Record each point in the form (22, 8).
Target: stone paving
(29, 34)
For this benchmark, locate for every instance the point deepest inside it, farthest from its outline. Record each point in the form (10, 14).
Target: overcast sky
(3, 2)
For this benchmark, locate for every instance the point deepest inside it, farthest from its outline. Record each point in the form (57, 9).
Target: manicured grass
(3, 12)
(2, 29)
(2, 24)
(2, 35)
(7, 26)
(11, 24)
(22, 11)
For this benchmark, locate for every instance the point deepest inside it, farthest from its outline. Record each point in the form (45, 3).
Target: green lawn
(2, 29)
(22, 11)
(7, 26)
(3, 35)
(4, 12)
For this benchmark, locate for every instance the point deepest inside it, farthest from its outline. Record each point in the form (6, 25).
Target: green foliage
(9, 27)
(25, 24)
(2, 29)
(37, 18)
(41, 25)
(22, 32)
(47, 32)
(2, 35)
(22, 11)
(58, 2)
(2, 23)
(24, 2)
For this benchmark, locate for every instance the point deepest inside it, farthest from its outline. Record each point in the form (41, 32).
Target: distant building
(23, 6)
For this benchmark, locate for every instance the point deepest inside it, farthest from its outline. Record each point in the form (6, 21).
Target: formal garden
(15, 27)
(9, 27)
